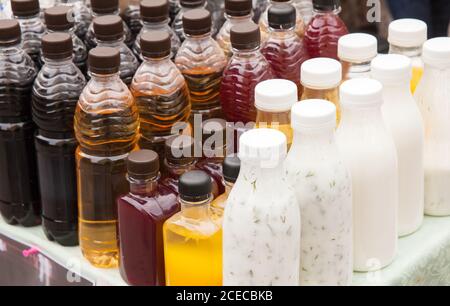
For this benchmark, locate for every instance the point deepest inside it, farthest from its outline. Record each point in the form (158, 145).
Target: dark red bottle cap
(103, 60)
(155, 44)
(57, 45)
(10, 33)
(197, 22)
(143, 164)
(108, 28)
(179, 150)
(104, 6)
(192, 3)
(326, 5)
(238, 8)
(154, 10)
(246, 36)
(25, 8)
(59, 18)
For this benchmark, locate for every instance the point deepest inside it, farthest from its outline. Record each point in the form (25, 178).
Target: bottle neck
(179, 169)
(361, 116)
(11, 49)
(94, 14)
(195, 210)
(155, 25)
(21, 19)
(262, 172)
(336, 11)
(104, 78)
(353, 69)
(143, 188)
(409, 52)
(314, 137)
(238, 19)
(397, 88)
(283, 33)
(54, 63)
(198, 38)
(110, 43)
(247, 54)
(157, 60)
(228, 187)
(70, 31)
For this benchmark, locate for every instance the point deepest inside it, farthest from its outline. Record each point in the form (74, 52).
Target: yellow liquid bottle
(417, 74)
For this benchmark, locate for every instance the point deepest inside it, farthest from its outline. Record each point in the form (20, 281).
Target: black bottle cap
(195, 186)
(57, 45)
(10, 33)
(231, 168)
(283, 16)
(104, 6)
(326, 5)
(197, 22)
(143, 164)
(108, 28)
(154, 10)
(179, 150)
(59, 18)
(155, 44)
(192, 3)
(103, 60)
(246, 36)
(25, 8)
(238, 8)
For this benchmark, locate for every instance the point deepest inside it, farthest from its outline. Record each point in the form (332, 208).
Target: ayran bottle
(433, 96)
(142, 213)
(403, 118)
(109, 32)
(202, 62)
(261, 225)
(356, 52)
(323, 185)
(19, 187)
(192, 239)
(83, 17)
(185, 6)
(53, 112)
(106, 126)
(132, 17)
(369, 152)
(406, 37)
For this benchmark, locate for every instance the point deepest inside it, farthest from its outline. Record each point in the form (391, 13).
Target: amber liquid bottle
(106, 126)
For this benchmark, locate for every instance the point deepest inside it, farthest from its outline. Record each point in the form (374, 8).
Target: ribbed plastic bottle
(83, 17)
(185, 6)
(132, 17)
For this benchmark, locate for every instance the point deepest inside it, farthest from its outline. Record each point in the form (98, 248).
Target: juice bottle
(201, 61)
(106, 127)
(305, 8)
(185, 6)
(53, 112)
(284, 50)
(406, 37)
(192, 240)
(83, 17)
(274, 100)
(132, 17)
(108, 31)
(19, 188)
(324, 30)
(142, 213)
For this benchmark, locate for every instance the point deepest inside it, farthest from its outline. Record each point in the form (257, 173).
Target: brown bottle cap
(104, 6)
(57, 45)
(246, 36)
(180, 150)
(108, 28)
(24, 8)
(192, 3)
(197, 22)
(103, 60)
(154, 10)
(238, 7)
(143, 164)
(10, 33)
(59, 18)
(155, 44)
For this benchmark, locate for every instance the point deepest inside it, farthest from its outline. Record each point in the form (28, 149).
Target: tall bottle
(142, 213)
(406, 37)
(109, 32)
(324, 30)
(394, 72)
(83, 17)
(27, 12)
(186, 6)
(369, 152)
(132, 17)
(53, 112)
(192, 239)
(19, 187)
(202, 62)
(432, 96)
(160, 91)
(324, 194)
(106, 127)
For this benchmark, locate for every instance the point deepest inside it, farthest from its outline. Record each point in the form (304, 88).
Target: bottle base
(63, 233)
(104, 260)
(20, 214)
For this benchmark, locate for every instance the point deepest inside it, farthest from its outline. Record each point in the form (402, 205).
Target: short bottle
(106, 127)
(141, 214)
(261, 225)
(369, 153)
(83, 17)
(19, 187)
(192, 239)
(53, 111)
(132, 17)
(323, 185)
(185, 6)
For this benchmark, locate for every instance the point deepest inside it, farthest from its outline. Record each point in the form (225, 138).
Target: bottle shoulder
(17, 67)
(62, 80)
(198, 229)
(201, 53)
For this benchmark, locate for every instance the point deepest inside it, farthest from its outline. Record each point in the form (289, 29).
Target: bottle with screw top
(186, 6)
(83, 17)
(132, 17)
(174, 9)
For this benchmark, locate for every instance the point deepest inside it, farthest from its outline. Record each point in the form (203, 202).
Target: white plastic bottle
(403, 118)
(369, 152)
(324, 193)
(261, 226)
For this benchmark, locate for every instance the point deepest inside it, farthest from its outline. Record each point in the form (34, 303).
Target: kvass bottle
(185, 6)
(83, 17)
(132, 16)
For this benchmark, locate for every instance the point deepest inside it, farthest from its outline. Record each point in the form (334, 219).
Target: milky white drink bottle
(403, 118)
(369, 152)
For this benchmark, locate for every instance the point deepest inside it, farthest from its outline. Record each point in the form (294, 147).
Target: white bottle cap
(357, 48)
(361, 93)
(276, 95)
(436, 52)
(313, 114)
(391, 68)
(321, 73)
(407, 33)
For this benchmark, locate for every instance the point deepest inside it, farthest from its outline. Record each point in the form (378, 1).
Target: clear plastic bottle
(305, 7)
(186, 6)
(83, 17)
(174, 9)
(106, 127)
(217, 10)
(53, 112)
(432, 96)
(132, 16)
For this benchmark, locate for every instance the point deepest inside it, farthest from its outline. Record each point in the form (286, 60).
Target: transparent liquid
(331, 95)
(83, 17)
(32, 31)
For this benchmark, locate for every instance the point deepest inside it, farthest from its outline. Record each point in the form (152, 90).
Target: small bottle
(217, 10)
(202, 62)
(261, 225)
(323, 185)
(19, 186)
(106, 127)
(155, 17)
(305, 7)
(142, 213)
(160, 91)
(174, 9)
(59, 19)
(185, 6)
(274, 100)
(369, 153)
(27, 13)
(356, 52)
(246, 69)
(109, 32)
(284, 50)
(433, 99)
(321, 78)
(53, 112)
(132, 17)
(236, 12)
(406, 37)
(83, 17)
(192, 239)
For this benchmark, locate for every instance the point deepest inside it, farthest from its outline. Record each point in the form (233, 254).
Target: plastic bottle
(174, 9)
(186, 6)
(83, 17)
(132, 17)
(305, 7)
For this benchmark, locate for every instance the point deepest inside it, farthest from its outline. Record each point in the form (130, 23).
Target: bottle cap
(357, 48)
(436, 52)
(231, 167)
(283, 16)
(361, 93)
(391, 68)
(57, 45)
(154, 10)
(197, 22)
(326, 5)
(179, 150)
(313, 114)
(195, 186)
(237, 8)
(276, 95)
(59, 18)
(407, 33)
(321, 73)
(10, 33)
(143, 164)
(25, 8)
(104, 60)
(108, 28)
(155, 44)
(245, 36)
(192, 3)
(214, 130)
(104, 6)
